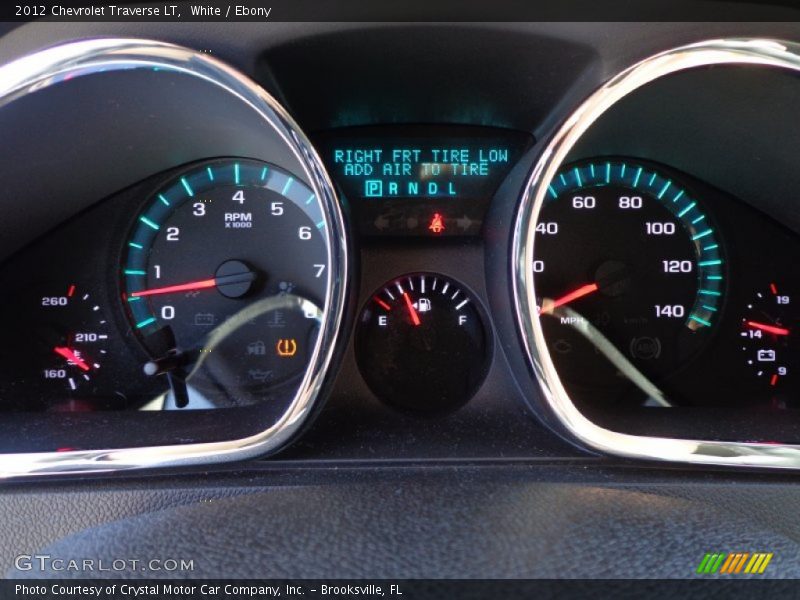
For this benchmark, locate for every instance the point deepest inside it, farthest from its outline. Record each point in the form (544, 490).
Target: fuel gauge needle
(72, 357)
(412, 311)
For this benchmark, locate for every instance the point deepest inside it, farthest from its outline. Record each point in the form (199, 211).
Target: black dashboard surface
(552, 519)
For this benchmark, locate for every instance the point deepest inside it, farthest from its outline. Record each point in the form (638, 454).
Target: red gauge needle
(768, 328)
(222, 280)
(183, 287)
(412, 310)
(551, 305)
(72, 357)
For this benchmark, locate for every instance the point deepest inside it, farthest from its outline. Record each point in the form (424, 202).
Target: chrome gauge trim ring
(48, 67)
(758, 52)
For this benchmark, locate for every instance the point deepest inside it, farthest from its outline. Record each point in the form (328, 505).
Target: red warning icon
(437, 223)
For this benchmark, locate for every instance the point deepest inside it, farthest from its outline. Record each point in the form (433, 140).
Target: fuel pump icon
(423, 305)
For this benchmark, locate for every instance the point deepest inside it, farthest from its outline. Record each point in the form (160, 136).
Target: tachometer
(628, 271)
(224, 279)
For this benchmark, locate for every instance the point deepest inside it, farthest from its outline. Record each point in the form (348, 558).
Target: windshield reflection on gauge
(259, 354)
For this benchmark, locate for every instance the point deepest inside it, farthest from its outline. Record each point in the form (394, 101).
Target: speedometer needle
(768, 328)
(548, 306)
(72, 357)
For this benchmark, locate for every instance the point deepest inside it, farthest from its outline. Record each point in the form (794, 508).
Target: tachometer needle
(244, 277)
(183, 287)
(412, 311)
(768, 328)
(549, 306)
(72, 357)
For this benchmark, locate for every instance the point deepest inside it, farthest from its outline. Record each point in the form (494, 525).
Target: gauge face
(767, 328)
(421, 344)
(628, 273)
(78, 351)
(63, 355)
(225, 278)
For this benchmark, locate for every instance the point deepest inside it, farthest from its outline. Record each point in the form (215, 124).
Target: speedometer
(628, 271)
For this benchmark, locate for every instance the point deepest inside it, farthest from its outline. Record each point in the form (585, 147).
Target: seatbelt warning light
(437, 223)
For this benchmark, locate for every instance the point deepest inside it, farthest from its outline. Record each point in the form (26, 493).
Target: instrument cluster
(204, 309)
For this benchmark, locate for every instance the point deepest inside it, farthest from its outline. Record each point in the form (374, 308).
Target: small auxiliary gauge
(766, 335)
(421, 343)
(76, 336)
(55, 354)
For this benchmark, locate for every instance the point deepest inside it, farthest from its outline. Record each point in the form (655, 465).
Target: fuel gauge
(767, 330)
(421, 343)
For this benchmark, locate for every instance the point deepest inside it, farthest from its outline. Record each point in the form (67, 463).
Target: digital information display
(421, 181)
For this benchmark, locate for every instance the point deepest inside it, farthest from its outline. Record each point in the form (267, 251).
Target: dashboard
(211, 265)
(394, 299)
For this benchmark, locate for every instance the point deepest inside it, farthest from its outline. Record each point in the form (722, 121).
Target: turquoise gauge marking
(180, 194)
(699, 320)
(149, 223)
(701, 235)
(145, 323)
(638, 176)
(187, 187)
(685, 211)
